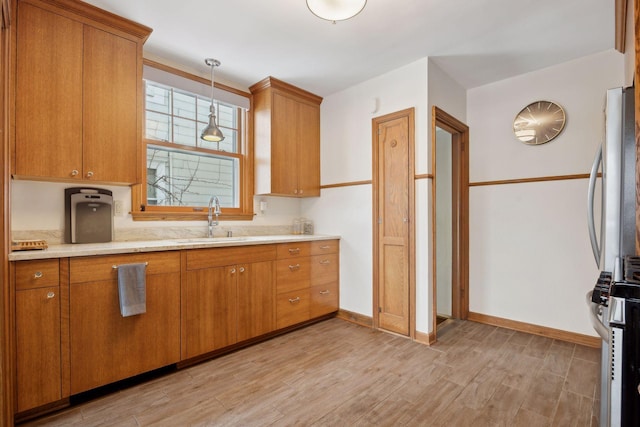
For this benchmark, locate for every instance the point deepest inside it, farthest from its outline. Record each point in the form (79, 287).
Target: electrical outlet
(117, 208)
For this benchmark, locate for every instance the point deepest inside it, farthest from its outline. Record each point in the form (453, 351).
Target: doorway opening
(393, 186)
(450, 219)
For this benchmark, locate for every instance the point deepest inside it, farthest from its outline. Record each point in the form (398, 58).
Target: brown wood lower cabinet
(37, 311)
(71, 336)
(256, 299)
(39, 367)
(307, 281)
(106, 347)
(228, 297)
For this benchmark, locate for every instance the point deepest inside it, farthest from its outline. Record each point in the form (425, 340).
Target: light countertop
(89, 249)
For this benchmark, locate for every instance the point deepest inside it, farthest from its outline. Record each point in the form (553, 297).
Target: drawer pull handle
(241, 269)
(38, 275)
(294, 267)
(327, 292)
(325, 247)
(294, 251)
(294, 300)
(115, 267)
(51, 295)
(325, 262)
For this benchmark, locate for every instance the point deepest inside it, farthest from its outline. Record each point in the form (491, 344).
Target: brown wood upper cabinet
(78, 93)
(287, 139)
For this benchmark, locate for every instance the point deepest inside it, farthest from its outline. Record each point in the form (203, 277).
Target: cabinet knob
(37, 275)
(294, 267)
(300, 191)
(233, 271)
(74, 172)
(295, 191)
(294, 300)
(241, 269)
(51, 295)
(89, 174)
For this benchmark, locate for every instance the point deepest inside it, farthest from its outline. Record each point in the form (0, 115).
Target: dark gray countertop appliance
(88, 215)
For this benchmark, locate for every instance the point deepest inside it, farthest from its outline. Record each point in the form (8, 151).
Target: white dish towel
(132, 289)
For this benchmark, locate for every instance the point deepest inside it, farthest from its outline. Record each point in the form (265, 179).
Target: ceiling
(475, 42)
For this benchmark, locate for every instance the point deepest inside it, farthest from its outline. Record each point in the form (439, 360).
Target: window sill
(187, 216)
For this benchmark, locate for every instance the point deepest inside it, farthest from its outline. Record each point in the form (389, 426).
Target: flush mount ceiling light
(211, 133)
(336, 10)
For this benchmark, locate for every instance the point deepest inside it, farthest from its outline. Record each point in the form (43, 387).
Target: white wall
(527, 240)
(530, 257)
(40, 206)
(449, 96)
(346, 144)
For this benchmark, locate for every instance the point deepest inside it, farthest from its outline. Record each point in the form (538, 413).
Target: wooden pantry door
(394, 241)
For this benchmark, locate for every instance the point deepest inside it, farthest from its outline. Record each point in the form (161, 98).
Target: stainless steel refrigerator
(614, 241)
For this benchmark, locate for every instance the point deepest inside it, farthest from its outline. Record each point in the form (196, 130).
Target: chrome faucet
(213, 211)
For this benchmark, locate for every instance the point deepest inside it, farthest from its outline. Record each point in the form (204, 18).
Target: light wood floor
(340, 374)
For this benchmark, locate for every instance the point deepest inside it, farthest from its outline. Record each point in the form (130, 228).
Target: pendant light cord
(213, 66)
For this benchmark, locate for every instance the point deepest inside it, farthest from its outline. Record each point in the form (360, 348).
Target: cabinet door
(284, 155)
(256, 300)
(38, 362)
(48, 94)
(106, 347)
(308, 159)
(210, 309)
(110, 107)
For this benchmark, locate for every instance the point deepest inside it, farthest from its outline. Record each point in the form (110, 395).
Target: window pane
(184, 105)
(226, 116)
(158, 98)
(230, 142)
(190, 179)
(184, 131)
(203, 110)
(157, 126)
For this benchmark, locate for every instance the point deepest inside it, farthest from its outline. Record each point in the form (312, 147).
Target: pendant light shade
(336, 10)
(212, 133)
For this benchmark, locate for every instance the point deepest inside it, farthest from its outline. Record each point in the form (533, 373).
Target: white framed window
(182, 171)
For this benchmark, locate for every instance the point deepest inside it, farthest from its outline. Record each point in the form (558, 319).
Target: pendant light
(336, 10)
(212, 133)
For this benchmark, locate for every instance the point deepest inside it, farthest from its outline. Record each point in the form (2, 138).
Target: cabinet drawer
(37, 274)
(324, 299)
(292, 308)
(91, 269)
(324, 247)
(293, 250)
(292, 274)
(324, 269)
(221, 257)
